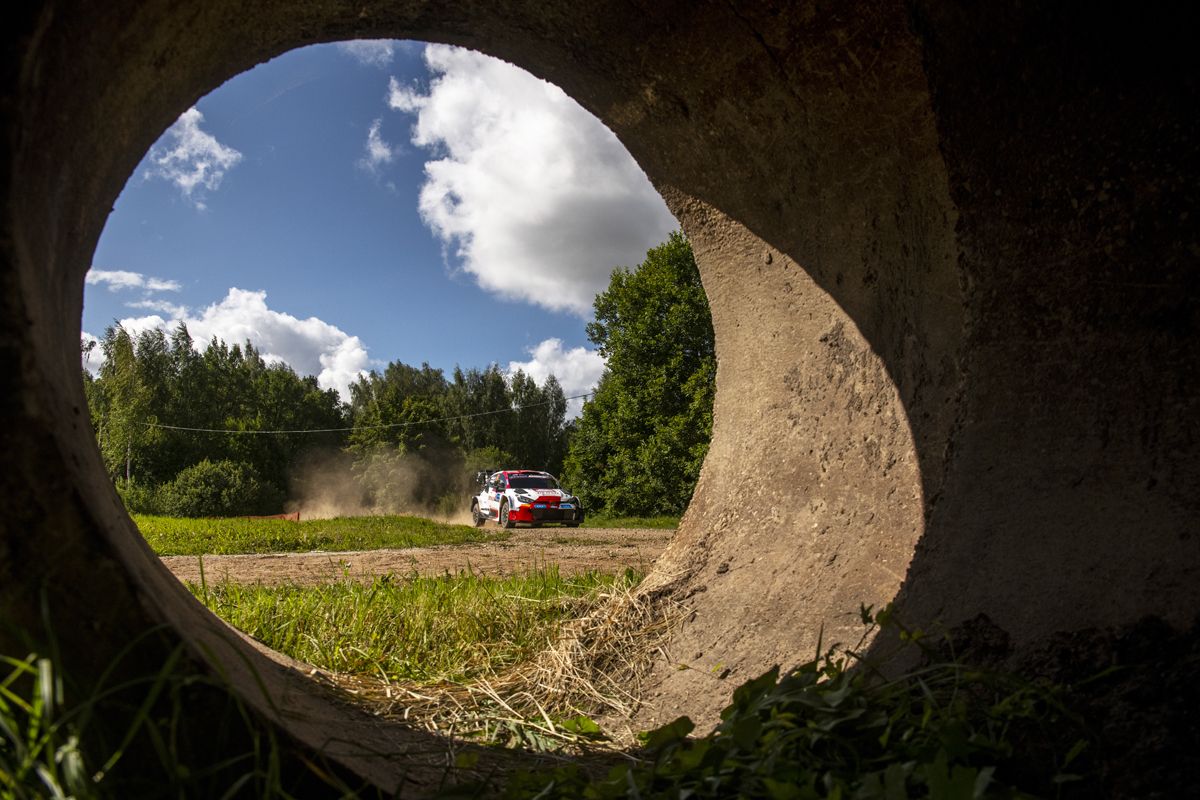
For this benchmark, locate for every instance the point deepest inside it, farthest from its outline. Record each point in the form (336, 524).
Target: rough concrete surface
(953, 268)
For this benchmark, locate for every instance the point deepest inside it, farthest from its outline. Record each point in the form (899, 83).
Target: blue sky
(347, 205)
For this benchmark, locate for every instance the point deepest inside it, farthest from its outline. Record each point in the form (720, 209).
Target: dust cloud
(333, 483)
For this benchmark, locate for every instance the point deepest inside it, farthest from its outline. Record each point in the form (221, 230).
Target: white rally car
(524, 496)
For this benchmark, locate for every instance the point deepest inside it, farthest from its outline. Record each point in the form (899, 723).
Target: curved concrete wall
(953, 284)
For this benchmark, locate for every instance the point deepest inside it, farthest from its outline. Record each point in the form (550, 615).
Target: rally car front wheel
(504, 521)
(476, 516)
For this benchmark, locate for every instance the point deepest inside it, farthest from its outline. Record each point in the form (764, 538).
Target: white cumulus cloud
(118, 279)
(309, 346)
(536, 199)
(578, 369)
(190, 158)
(370, 52)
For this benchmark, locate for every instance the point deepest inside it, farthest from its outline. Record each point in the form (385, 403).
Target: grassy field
(449, 627)
(170, 536)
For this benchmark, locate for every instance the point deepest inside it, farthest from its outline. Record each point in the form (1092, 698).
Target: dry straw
(593, 670)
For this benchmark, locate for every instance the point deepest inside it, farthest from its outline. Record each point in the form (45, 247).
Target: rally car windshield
(532, 482)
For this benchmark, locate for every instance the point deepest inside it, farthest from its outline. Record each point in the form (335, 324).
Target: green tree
(127, 402)
(401, 408)
(152, 380)
(638, 446)
(554, 420)
(535, 429)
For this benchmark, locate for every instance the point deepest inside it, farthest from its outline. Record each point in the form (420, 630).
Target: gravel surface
(573, 550)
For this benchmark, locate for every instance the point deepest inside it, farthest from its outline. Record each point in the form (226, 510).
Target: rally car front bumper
(537, 513)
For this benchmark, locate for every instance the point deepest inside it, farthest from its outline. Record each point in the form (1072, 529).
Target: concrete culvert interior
(952, 265)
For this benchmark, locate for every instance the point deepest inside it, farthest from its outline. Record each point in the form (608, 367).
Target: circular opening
(407, 204)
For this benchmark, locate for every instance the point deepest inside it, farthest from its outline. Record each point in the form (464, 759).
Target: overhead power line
(360, 427)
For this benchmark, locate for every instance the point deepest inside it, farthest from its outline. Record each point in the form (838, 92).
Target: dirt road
(573, 550)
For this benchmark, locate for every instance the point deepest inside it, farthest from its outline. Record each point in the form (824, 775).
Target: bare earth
(573, 550)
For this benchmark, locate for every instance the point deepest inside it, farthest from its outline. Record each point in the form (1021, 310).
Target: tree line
(636, 449)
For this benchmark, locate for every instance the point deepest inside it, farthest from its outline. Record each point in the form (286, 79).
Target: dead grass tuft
(593, 670)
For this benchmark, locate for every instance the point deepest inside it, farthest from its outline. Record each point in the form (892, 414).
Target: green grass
(38, 757)
(130, 733)
(605, 521)
(171, 536)
(449, 627)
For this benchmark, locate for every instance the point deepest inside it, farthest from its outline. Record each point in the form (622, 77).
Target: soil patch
(572, 550)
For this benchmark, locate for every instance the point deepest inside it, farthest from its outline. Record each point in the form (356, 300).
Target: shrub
(218, 489)
(139, 498)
